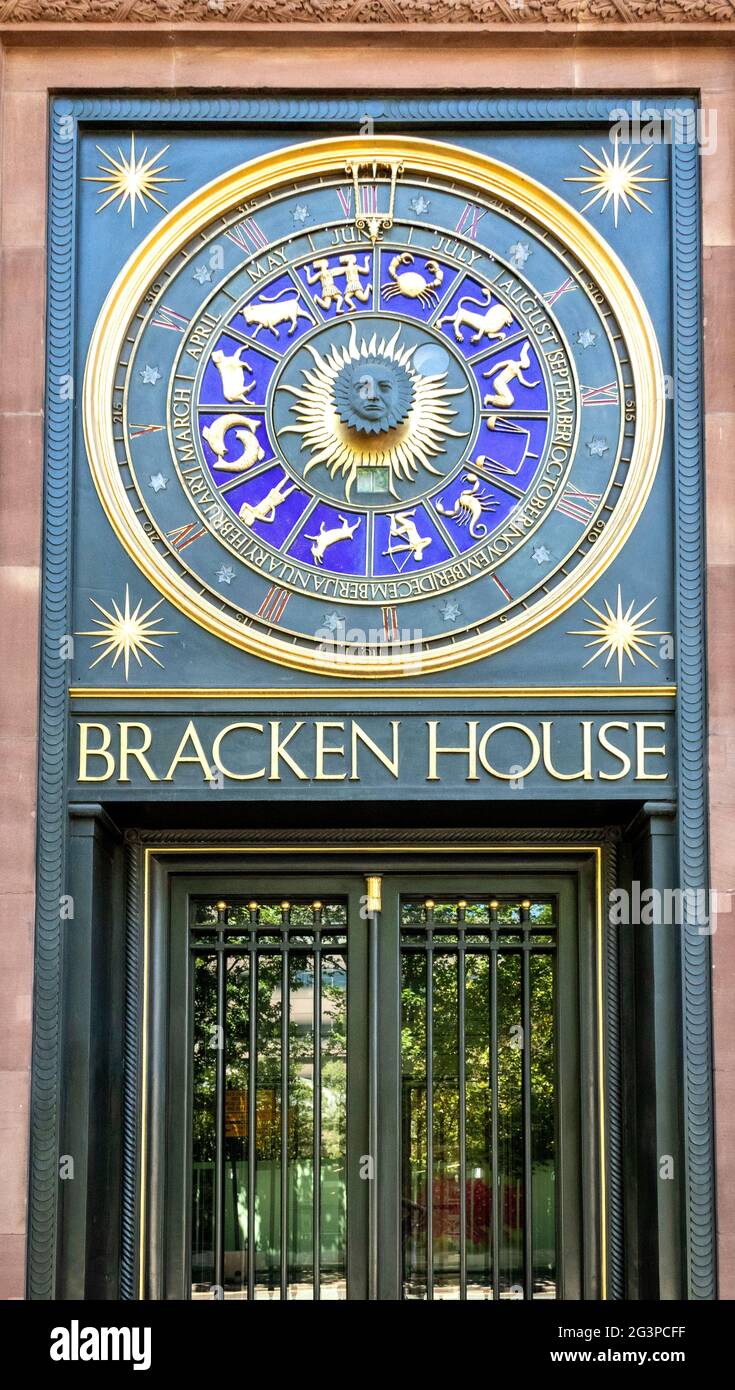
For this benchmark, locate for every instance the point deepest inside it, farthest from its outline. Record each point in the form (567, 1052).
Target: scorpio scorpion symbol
(469, 507)
(412, 283)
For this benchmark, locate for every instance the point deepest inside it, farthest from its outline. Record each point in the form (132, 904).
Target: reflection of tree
(269, 1060)
(478, 1112)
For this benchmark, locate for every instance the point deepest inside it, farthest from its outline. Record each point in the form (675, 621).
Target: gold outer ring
(476, 171)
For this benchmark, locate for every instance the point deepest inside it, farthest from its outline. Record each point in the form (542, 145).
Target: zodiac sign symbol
(322, 542)
(327, 278)
(489, 325)
(402, 525)
(498, 424)
(268, 313)
(367, 217)
(232, 375)
(265, 509)
(505, 372)
(353, 285)
(412, 283)
(469, 507)
(252, 452)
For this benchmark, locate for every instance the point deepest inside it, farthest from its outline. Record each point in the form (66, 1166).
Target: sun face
(619, 634)
(127, 633)
(131, 180)
(365, 405)
(615, 180)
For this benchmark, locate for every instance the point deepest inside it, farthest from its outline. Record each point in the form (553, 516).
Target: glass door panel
(478, 1097)
(269, 1098)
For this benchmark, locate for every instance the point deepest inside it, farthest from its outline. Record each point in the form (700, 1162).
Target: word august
(337, 750)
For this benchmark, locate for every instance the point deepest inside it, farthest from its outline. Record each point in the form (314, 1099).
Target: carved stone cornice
(383, 13)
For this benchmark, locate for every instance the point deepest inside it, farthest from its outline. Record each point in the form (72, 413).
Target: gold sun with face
(365, 405)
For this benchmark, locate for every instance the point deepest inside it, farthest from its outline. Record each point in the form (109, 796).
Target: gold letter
(470, 749)
(196, 757)
(519, 772)
(278, 751)
(85, 753)
(641, 750)
(616, 752)
(321, 752)
(586, 772)
(127, 752)
(359, 736)
(236, 776)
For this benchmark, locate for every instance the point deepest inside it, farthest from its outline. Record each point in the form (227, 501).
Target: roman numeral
(169, 318)
(248, 236)
(469, 220)
(345, 200)
(580, 506)
(181, 536)
(600, 395)
(565, 287)
(135, 431)
(274, 604)
(390, 624)
(505, 592)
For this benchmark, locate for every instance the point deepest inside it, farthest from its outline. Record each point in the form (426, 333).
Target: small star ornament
(202, 274)
(225, 574)
(541, 555)
(150, 375)
(597, 446)
(331, 621)
(586, 338)
(419, 205)
(158, 481)
(450, 610)
(518, 254)
(300, 213)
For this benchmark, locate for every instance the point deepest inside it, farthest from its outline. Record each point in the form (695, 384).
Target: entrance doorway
(374, 1087)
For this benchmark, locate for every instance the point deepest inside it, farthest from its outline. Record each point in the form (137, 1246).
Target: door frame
(156, 859)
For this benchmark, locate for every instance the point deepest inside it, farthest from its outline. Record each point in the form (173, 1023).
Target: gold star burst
(131, 179)
(412, 443)
(615, 180)
(127, 633)
(620, 634)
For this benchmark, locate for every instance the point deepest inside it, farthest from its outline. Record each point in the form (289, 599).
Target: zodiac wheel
(369, 453)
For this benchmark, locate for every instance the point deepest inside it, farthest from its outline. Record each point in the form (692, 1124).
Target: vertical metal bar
(429, 1104)
(461, 959)
(526, 1103)
(285, 1012)
(317, 1117)
(495, 1118)
(219, 1110)
(252, 1098)
(373, 1101)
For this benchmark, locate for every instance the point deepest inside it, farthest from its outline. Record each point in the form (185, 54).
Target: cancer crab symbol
(412, 283)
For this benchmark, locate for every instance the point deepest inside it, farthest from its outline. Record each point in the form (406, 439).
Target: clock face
(373, 411)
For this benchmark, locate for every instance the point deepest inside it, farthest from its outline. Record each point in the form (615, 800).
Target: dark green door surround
(136, 1146)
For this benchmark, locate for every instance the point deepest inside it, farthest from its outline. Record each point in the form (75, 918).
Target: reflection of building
(372, 664)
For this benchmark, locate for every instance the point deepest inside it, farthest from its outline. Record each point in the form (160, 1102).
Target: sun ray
(123, 633)
(615, 180)
(131, 179)
(619, 635)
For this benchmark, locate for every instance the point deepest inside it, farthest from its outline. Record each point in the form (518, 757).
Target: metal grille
(269, 1095)
(478, 1098)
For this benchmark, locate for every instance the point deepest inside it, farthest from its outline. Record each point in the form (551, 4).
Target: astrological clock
(370, 407)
